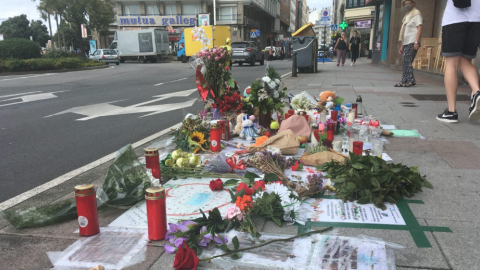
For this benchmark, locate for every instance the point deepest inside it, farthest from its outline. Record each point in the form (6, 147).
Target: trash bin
(306, 48)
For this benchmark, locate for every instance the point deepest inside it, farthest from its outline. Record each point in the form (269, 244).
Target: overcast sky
(11, 8)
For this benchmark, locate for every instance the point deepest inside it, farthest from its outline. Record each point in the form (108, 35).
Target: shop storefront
(380, 31)
(360, 17)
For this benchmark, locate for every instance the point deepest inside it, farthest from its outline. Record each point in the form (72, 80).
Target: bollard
(294, 65)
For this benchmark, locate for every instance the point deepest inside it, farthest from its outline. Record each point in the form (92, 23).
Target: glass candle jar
(355, 107)
(334, 115)
(331, 130)
(377, 148)
(358, 148)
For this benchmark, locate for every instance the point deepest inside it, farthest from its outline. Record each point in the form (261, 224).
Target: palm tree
(46, 9)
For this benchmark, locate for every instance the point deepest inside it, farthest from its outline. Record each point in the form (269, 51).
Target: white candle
(351, 117)
(323, 117)
(337, 146)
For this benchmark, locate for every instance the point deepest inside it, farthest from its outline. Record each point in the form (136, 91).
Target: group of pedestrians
(460, 42)
(354, 46)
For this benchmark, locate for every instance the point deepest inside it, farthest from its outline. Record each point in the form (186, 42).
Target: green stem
(267, 243)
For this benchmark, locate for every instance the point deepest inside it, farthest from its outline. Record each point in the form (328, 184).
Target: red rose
(185, 258)
(227, 68)
(259, 184)
(248, 191)
(216, 184)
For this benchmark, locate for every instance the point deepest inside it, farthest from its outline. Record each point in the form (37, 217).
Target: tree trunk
(49, 24)
(78, 30)
(58, 31)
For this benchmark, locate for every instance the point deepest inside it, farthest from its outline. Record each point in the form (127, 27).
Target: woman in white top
(410, 41)
(460, 41)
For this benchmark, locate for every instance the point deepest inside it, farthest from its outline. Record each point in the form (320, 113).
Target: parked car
(247, 52)
(106, 55)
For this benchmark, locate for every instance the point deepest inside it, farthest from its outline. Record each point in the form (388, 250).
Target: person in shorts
(460, 41)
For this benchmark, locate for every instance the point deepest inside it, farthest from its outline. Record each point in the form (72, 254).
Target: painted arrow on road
(24, 98)
(108, 109)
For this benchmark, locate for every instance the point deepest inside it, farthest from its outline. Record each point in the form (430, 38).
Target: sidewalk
(448, 156)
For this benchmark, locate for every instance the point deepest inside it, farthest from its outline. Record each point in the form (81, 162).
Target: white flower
(282, 191)
(272, 85)
(276, 94)
(266, 79)
(262, 96)
(273, 150)
(277, 81)
(301, 101)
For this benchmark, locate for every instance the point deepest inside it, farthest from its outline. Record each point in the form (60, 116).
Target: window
(170, 9)
(190, 9)
(152, 9)
(131, 9)
(355, 3)
(227, 13)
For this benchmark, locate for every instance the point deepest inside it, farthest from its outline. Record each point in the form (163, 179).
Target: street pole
(214, 12)
(324, 42)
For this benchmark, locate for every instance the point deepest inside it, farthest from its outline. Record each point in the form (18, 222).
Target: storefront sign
(363, 24)
(203, 19)
(84, 30)
(178, 20)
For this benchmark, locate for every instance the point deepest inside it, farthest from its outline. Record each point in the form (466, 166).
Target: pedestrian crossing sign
(253, 35)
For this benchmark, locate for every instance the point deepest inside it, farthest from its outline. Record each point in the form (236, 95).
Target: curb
(51, 71)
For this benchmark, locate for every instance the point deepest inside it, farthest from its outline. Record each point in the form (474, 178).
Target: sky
(311, 3)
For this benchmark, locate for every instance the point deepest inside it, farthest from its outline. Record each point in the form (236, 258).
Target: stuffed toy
(249, 131)
(325, 95)
(238, 127)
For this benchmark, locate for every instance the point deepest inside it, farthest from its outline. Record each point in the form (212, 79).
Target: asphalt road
(51, 124)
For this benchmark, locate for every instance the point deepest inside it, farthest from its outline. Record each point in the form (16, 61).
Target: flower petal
(170, 249)
(179, 241)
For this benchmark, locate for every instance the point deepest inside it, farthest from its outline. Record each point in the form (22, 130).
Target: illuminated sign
(178, 20)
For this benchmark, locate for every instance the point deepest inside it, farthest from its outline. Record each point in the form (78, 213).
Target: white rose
(266, 79)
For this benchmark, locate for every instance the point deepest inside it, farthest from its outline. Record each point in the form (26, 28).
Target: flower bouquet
(192, 136)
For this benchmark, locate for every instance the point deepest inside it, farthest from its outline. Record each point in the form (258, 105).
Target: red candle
(327, 143)
(355, 107)
(152, 161)
(291, 112)
(331, 130)
(221, 124)
(334, 115)
(358, 147)
(156, 213)
(215, 137)
(86, 200)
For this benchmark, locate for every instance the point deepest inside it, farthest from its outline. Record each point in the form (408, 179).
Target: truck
(188, 46)
(142, 45)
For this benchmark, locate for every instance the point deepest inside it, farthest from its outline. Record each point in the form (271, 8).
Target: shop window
(131, 9)
(190, 9)
(152, 9)
(170, 9)
(227, 13)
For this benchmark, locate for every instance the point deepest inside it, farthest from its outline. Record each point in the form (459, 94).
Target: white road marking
(28, 77)
(20, 94)
(31, 98)
(170, 81)
(61, 179)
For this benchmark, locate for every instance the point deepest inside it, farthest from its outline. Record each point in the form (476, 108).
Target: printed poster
(203, 19)
(334, 210)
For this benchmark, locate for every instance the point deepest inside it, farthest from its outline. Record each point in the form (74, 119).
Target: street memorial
(250, 155)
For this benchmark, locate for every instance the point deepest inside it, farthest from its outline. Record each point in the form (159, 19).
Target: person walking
(341, 48)
(355, 47)
(412, 25)
(460, 42)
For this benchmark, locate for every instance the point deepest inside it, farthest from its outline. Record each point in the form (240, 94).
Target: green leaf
(363, 200)
(338, 100)
(389, 199)
(427, 184)
(199, 251)
(236, 256)
(223, 246)
(231, 182)
(277, 221)
(247, 181)
(271, 177)
(231, 82)
(337, 180)
(351, 186)
(250, 175)
(375, 182)
(235, 242)
(232, 196)
(356, 166)
(395, 170)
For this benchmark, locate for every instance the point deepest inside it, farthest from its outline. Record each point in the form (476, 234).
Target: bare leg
(451, 81)
(470, 73)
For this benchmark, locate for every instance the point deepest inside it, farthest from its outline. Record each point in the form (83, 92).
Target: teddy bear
(325, 95)
(249, 131)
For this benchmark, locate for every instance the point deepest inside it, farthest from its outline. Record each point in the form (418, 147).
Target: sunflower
(198, 137)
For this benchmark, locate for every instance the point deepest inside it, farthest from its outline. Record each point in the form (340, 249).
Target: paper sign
(334, 210)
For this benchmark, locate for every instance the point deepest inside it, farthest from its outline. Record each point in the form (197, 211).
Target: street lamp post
(214, 12)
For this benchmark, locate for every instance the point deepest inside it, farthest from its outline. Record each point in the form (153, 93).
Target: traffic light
(343, 25)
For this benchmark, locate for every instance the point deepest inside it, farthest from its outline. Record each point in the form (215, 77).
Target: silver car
(106, 55)
(247, 52)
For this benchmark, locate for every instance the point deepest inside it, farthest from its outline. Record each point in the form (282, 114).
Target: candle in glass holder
(355, 107)
(291, 112)
(337, 145)
(358, 148)
(331, 130)
(323, 117)
(351, 117)
(334, 115)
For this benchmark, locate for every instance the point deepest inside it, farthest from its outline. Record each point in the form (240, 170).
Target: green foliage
(39, 32)
(19, 48)
(60, 54)
(369, 179)
(268, 207)
(41, 64)
(16, 27)
(317, 148)
(265, 96)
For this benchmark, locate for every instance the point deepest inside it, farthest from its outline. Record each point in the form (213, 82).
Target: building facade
(243, 17)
